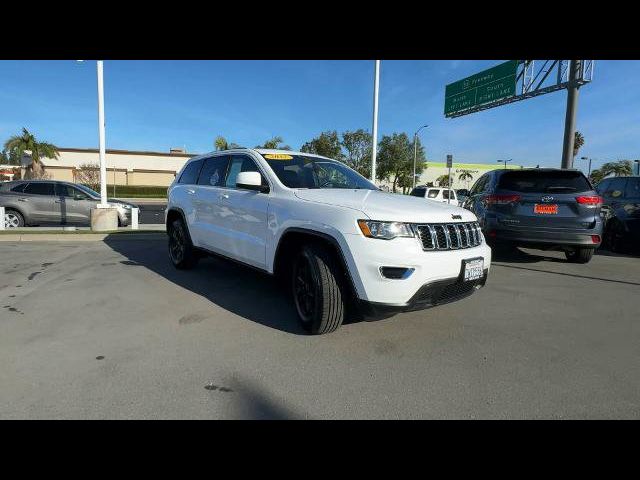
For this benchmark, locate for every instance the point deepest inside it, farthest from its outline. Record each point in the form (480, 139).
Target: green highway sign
(485, 87)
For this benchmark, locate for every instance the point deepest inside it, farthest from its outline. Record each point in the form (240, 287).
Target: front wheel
(317, 290)
(579, 255)
(13, 219)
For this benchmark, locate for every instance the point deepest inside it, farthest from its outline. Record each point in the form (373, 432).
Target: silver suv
(46, 202)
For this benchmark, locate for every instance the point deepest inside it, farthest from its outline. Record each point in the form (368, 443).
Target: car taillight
(501, 199)
(589, 200)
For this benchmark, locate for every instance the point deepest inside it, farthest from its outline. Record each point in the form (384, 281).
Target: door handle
(190, 191)
(224, 196)
(23, 200)
(57, 201)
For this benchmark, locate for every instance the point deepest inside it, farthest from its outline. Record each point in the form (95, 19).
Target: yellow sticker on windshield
(278, 156)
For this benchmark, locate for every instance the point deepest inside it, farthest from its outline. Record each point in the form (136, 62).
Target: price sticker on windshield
(278, 156)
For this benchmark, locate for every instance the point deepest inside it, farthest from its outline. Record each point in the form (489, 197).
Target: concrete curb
(80, 237)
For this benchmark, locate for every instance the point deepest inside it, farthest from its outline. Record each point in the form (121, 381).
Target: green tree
(274, 144)
(18, 145)
(621, 168)
(221, 143)
(443, 180)
(465, 176)
(395, 160)
(578, 142)
(357, 145)
(326, 144)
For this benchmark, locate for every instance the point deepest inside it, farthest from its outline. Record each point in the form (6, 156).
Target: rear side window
(540, 181)
(214, 171)
(445, 194)
(39, 188)
(433, 193)
(633, 188)
(480, 185)
(19, 188)
(615, 188)
(418, 192)
(191, 171)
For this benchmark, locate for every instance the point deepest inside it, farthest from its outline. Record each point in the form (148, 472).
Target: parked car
(336, 241)
(539, 207)
(621, 212)
(47, 202)
(438, 194)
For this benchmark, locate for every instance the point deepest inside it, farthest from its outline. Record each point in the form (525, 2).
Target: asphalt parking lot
(111, 330)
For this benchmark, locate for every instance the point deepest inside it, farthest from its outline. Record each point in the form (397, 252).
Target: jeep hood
(379, 205)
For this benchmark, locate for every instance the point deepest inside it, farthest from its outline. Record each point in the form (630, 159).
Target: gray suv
(47, 202)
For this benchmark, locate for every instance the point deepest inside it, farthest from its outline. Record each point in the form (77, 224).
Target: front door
(75, 205)
(243, 229)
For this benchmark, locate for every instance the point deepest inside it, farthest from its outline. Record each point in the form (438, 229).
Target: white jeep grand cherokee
(343, 246)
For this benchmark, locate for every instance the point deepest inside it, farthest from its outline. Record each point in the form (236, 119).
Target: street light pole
(374, 147)
(101, 135)
(415, 152)
(585, 158)
(505, 162)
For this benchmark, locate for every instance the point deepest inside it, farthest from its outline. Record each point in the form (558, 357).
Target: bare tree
(89, 175)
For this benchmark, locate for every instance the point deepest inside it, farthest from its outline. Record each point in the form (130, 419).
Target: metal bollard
(134, 218)
(2, 218)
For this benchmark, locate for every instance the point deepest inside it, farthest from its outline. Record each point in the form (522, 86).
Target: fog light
(595, 238)
(396, 273)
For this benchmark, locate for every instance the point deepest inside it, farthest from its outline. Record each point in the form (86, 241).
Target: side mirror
(251, 181)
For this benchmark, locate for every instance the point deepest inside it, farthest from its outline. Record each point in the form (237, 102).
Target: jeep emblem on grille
(547, 198)
(456, 217)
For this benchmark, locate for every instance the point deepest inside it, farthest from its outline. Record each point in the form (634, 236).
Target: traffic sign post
(449, 165)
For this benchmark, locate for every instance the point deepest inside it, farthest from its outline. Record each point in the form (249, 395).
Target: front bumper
(429, 295)
(367, 256)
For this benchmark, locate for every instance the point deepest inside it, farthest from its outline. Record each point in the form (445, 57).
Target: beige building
(124, 167)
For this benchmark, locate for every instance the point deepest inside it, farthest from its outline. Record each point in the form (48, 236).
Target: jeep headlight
(384, 230)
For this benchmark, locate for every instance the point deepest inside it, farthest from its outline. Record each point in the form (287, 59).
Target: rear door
(41, 203)
(183, 194)
(545, 199)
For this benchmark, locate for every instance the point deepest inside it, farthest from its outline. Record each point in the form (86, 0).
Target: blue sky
(156, 105)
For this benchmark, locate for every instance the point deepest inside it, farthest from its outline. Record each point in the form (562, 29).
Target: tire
(13, 219)
(317, 289)
(579, 255)
(181, 252)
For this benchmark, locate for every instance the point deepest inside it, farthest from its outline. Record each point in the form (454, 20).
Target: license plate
(545, 209)
(473, 269)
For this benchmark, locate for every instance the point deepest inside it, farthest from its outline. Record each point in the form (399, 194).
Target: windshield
(87, 190)
(301, 171)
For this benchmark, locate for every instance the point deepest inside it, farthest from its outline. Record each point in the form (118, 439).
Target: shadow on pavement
(240, 290)
(256, 404)
(515, 255)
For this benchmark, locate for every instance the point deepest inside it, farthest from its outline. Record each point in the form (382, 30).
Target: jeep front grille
(449, 236)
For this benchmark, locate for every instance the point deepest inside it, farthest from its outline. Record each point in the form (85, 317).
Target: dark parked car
(540, 208)
(621, 212)
(47, 202)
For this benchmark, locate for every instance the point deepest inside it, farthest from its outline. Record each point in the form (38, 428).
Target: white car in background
(339, 243)
(438, 194)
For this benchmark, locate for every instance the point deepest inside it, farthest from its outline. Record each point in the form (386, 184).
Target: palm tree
(443, 180)
(18, 145)
(273, 144)
(221, 143)
(578, 142)
(621, 168)
(465, 176)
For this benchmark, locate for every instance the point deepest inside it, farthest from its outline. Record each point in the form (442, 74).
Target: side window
(616, 188)
(40, 188)
(68, 191)
(214, 171)
(418, 192)
(190, 174)
(19, 188)
(478, 187)
(633, 188)
(433, 193)
(240, 163)
(601, 188)
(445, 194)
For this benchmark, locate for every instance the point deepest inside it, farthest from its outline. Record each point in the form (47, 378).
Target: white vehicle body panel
(247, 226)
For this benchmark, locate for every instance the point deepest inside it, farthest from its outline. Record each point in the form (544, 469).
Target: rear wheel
(13, 219)
(181, 251)
(579, 255)
(318, 290)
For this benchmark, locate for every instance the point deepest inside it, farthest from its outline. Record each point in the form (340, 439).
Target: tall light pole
(637, 162)
(586, 158)
(101, 141)
(575, 66)
(376, 85)
(505, 162)
(415, 152)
